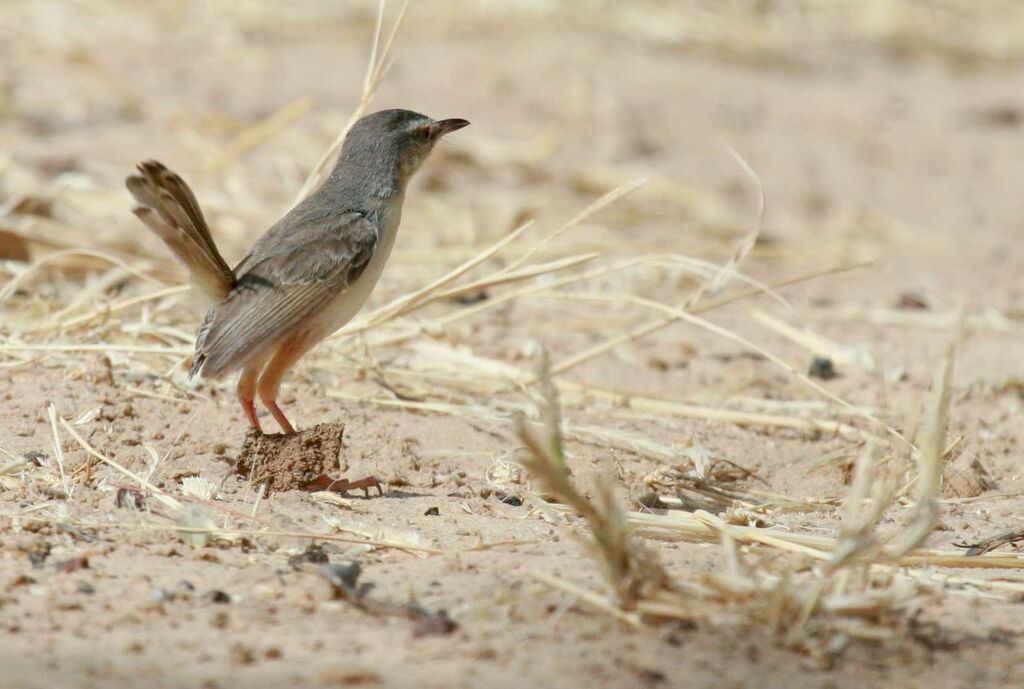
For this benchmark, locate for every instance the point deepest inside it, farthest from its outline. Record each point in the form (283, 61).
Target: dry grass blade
(506, 277)
(744, 247)
(419, 298)
(469, 311)
(380, 60)
(989, 544)
(926, 513)
(682, 315)
(817, 344)
(13, 284)
(123, 304)
(588, 597)
(632, 571)
(103, 347)
(714, 283)
(405, 304)
(160, 495)
(233, 534)
(601, 203)
(58, 450)
(701, 526)
(252, 136)
(856, 536)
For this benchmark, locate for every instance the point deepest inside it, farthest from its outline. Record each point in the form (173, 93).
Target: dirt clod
(38, 554)
(73, 564)
(129, 498)
(314, 554)
(966, 478)
(434, 624)
(912, 301)
(217, 596)
(287, 462)
(342, 576)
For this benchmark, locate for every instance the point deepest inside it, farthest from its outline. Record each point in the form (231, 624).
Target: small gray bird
(310, 273)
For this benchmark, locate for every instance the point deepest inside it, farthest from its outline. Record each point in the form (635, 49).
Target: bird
(310, 273)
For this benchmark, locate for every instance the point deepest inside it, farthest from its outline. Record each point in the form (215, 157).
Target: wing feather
(291, 275)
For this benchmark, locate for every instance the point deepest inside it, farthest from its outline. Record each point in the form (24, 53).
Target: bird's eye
(422, 133)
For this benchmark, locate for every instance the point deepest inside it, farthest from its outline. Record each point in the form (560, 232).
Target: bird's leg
(270, 379)
(282, 420)
(247, 393)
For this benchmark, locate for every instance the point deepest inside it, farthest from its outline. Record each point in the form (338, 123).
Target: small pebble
(822, 368)
(217, 596)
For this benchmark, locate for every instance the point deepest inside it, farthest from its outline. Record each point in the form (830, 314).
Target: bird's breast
(347, 303)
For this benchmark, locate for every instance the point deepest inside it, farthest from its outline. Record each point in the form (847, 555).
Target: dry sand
(886, 136)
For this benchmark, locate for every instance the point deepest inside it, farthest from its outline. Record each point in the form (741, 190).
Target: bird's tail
(169, 208)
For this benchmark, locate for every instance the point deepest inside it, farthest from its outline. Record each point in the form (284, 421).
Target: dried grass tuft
(823, 595)
(631, 569)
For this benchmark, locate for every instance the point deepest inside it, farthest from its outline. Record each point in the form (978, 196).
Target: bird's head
(392, 143)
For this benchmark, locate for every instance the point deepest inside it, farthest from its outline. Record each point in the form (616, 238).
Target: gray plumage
(292, 288)
(311, 254)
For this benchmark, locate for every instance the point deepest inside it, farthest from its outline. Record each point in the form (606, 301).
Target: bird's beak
(443, 127)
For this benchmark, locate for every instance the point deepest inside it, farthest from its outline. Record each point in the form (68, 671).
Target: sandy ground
(868, 151)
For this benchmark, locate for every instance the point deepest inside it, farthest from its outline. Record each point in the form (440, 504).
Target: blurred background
(868, 121)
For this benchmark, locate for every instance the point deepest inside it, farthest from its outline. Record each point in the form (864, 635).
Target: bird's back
(288, 283)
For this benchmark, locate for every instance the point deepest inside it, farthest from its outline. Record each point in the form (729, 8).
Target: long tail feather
(169, 208)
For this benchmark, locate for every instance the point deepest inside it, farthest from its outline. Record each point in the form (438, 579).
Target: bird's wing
(169, 208)
(289, 277)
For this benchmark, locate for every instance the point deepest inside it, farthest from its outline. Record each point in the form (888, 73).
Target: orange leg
(247, 392)
(270, 380)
